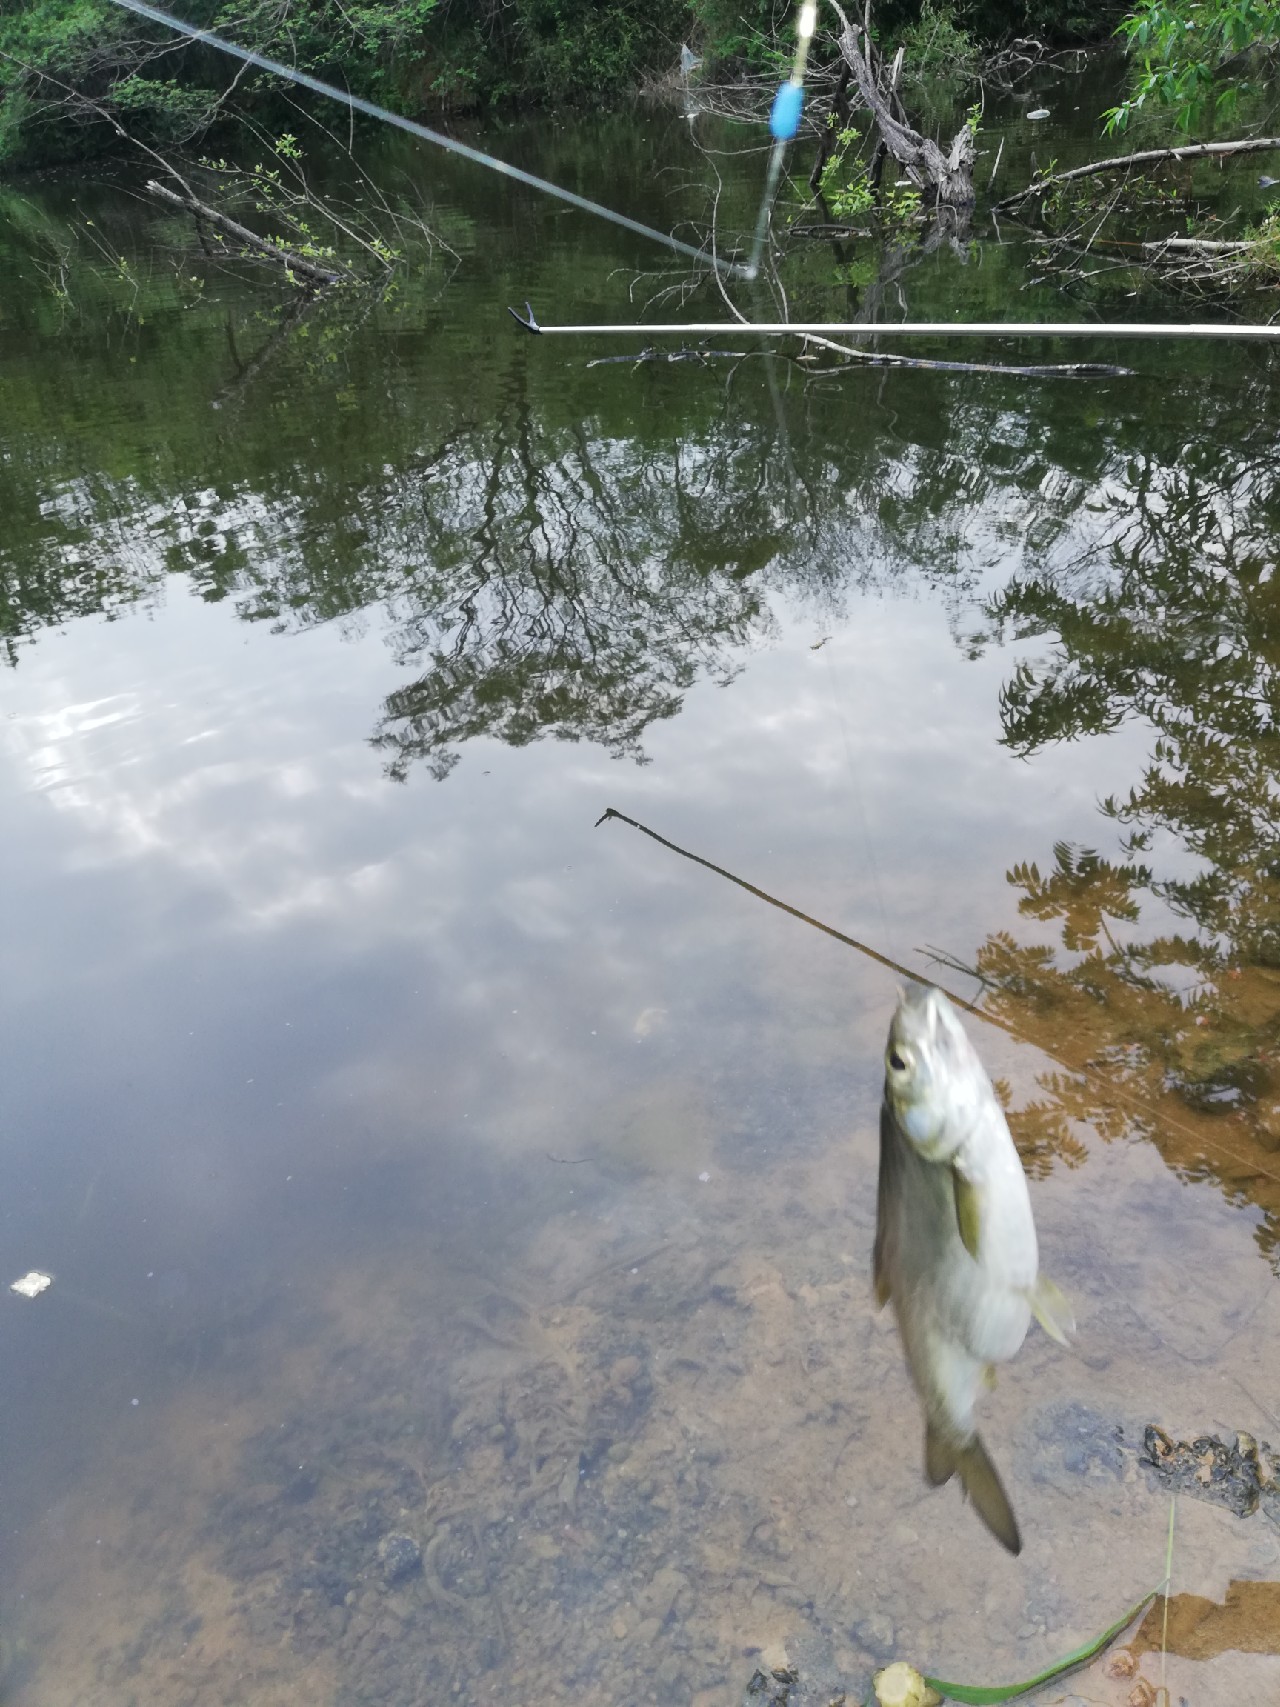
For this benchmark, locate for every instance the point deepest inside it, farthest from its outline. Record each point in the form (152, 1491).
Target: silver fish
(955, 1249)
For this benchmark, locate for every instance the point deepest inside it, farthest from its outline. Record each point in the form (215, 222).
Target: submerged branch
(1197, 246)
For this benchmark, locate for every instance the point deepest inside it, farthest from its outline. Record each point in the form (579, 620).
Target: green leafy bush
(939, 48)
(1181, 47)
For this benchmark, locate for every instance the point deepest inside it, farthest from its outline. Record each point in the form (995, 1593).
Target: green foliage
(73, 66)
(1266, 240)
(846, 190)
(746, 33)
(576, 49)
(996, 21)
(49, 50)
(940, 50)
(1182, 47)
(67, 70)
(993, 1695)
(849, 194)
(172, 111)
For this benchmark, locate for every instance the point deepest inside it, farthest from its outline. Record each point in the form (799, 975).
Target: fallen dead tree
(946, 179)
(1201, 265)
(1145, 157)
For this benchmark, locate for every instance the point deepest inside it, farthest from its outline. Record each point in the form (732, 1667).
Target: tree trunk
(946, 178)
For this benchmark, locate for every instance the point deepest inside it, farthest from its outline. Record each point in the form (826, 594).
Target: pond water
(416, 1158)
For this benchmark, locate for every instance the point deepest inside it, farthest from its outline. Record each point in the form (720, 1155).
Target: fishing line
(1083, 1071)
(868, 850)
(805, 918)
(357, 103)
(784, 122)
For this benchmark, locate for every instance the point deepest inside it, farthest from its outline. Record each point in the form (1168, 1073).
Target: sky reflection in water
(364, 1125)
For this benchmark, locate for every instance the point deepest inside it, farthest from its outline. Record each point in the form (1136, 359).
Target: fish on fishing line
(955, 1249)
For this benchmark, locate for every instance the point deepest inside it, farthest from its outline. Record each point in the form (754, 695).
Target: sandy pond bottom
(671, 1441)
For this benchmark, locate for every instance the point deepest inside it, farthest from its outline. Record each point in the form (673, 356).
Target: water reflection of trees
(570, 585)
(1162, 992)
(551, 552)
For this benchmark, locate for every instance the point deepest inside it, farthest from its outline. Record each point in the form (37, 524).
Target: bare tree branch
(286, 257)
(1146, 157)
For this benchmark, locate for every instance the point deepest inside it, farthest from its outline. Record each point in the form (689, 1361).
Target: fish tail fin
(980, 1480)
(1051, 1309)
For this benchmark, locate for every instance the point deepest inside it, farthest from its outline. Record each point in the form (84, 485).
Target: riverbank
(75, 79)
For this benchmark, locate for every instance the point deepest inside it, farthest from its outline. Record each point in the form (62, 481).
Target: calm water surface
(415, 1157)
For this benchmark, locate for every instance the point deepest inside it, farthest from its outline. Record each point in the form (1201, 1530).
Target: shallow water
(415, 1157)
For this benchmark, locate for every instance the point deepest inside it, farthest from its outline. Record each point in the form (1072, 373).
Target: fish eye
(896, 1062)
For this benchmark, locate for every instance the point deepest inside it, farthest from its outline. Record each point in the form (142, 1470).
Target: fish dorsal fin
(1051, 1309)
(968, 1212)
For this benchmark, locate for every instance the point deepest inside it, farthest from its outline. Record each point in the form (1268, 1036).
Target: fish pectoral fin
(881, 1290)
(968, 1212)
(989, 1378)
(1051, 1309)
(979, 1478)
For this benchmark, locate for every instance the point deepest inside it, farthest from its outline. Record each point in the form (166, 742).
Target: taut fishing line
(784, 122)
(357, 103)
(1083, 1070)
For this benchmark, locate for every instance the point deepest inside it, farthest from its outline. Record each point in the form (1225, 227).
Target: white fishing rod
(903, 328)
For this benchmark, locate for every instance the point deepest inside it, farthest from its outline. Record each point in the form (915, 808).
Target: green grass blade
(983, 1695)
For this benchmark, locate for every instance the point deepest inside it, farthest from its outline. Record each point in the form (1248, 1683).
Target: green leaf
(987, 1695)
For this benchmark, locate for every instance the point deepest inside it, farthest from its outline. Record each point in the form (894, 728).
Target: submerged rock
(1069, 1441)
(769, 1688)
(804, 1674)
(1242, 1477)
(399, 1556)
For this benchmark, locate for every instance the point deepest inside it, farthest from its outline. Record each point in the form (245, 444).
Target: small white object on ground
(901, 1685)
(32, 1285)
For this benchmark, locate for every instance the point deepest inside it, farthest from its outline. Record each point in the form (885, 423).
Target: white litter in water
(32, 1285)
(1040, 113)
(704, 1179)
